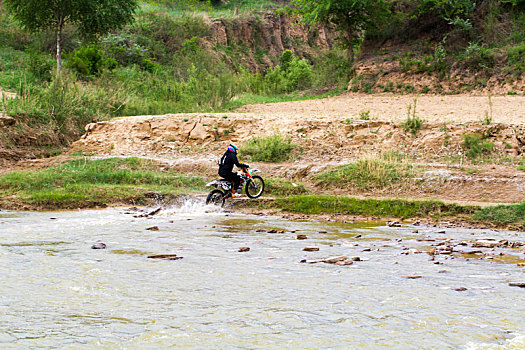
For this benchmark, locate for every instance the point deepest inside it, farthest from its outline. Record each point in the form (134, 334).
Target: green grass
(274, 148)
(373, 172)
(476, 145)
(499, 216)
(281, 187)
(502, 214)
(85, 183)
(339, 205)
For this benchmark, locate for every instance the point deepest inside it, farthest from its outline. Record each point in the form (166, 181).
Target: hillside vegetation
(172, 58)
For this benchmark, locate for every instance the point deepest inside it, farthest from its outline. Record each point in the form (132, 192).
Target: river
(57, 292)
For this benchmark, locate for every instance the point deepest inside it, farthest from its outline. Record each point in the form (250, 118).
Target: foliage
(274, 148)
(39, 66)
(293, 74)
(478, 57)
(89, 61)
(475, 145)
(91, 17)
(455, 12)
(348, 17)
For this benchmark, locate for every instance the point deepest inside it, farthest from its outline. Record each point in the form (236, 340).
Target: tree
(91, 17)
(348, 17)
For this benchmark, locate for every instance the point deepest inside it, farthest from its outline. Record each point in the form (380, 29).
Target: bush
(478, 57)
(274, 148)
(293, 74)
(475, 145)
(516, 58)
(39, 66)
(90, 61)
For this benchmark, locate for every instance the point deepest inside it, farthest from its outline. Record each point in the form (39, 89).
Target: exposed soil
(330, 132)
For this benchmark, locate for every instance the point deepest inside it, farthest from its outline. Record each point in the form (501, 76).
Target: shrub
(293, 74)
(475, 145)
(123, 48)
(39, 66)
(90, 61)
(478, 57)
(274, 148)
(516, 58)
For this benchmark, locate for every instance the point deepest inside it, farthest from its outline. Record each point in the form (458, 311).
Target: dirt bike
(253, 187)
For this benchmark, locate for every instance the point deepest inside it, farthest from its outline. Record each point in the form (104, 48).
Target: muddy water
(56, 292)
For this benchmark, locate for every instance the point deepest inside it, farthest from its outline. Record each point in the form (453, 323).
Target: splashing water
(192, 207)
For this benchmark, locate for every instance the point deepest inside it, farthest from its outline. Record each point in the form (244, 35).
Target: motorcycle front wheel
(215, 197)
(254, 187)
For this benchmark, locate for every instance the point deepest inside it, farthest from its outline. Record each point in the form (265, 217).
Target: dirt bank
(329, 132)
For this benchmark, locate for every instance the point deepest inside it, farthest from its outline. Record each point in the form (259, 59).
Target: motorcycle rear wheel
(215, 197)
(254, 187)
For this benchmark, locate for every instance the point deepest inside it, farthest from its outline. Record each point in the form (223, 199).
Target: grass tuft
(274, 148)
(372, 172)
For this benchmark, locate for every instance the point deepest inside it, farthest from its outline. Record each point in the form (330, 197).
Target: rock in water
(517, 284)
(244, 249)
(98, 246)
(412, 277)
(153, 228)
(344, 262)
(334, 259)
(460, 289)
(393, 224)
(310, 249)
(301, 237)
(165, 257)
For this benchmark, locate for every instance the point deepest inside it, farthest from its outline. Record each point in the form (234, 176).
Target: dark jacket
(226, 163)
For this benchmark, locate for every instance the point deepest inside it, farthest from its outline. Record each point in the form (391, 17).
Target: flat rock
(301, 237)
(334, 259)
(486, 243)
(165, 257)
(153, 228)
(244, 249)
(460, 289)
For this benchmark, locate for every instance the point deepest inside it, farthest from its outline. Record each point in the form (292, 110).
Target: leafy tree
(348, 17)
(91, 17)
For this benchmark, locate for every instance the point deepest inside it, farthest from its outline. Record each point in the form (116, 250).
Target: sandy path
(388, 107)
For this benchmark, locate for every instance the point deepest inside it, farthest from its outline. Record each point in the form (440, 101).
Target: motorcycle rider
(226, 163)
